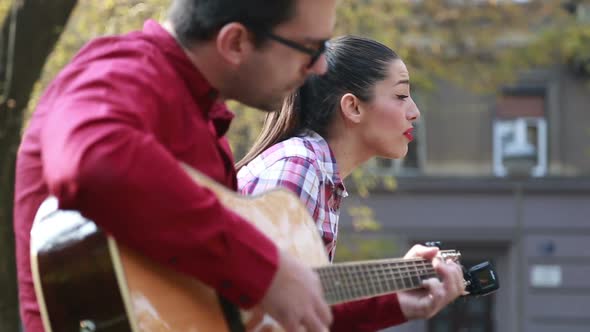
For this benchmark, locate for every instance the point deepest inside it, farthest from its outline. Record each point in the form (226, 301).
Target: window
(520, 134)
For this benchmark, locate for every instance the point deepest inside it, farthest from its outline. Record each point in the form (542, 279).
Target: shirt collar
(205, 95)
(327, 160)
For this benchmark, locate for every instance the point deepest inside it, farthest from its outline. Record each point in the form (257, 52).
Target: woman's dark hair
(198, 20)
(355, 65)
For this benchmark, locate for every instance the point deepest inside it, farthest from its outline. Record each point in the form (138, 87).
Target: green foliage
(363, 218)
(577, 43)
(93, 19)
(364, 246)
(479, 45)
(245, 128)
(4, 7)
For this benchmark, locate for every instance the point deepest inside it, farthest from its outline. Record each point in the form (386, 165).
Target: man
(108, 134)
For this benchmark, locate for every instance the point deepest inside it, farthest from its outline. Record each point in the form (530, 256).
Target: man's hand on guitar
(426, 302)
(295, 298)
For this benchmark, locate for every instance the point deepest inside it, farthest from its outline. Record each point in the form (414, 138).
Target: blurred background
(500, 168)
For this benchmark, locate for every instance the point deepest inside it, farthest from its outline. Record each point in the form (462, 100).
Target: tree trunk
(35, 28)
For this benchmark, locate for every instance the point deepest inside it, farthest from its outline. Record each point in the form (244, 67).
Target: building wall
(557, 234)
(521, 226)
(458, 123)
(574, 125)
(457, 126)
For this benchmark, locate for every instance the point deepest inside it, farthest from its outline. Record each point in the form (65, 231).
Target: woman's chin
(396, 154)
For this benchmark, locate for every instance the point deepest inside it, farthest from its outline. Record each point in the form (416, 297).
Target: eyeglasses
(314, 53)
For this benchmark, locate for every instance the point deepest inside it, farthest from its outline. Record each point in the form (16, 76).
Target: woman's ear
(233, 43)
(350, 108)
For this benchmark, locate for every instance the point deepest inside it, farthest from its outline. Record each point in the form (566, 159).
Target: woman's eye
(402, 97)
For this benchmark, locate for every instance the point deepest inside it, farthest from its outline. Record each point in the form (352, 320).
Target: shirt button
(244, 300)
(226, 284)
(212, 94)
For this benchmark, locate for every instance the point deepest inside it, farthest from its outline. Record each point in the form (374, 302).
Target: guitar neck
(345, 282)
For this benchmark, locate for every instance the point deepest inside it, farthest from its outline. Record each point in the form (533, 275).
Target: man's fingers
(313, 323)
(294, 298)
(289, 323)
(434, 287)
(432, 301)
(452, 274)
(321, 307)
(325, 314)
(437, 262)
(422, 251)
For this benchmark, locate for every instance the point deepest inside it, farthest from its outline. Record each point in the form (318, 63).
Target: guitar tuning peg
(454, 255)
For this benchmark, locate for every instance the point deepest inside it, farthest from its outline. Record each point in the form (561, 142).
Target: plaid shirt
(306, 166)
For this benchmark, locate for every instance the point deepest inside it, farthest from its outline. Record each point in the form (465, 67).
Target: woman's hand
(426, 302)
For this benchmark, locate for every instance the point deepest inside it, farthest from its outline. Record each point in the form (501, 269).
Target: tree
(479, 43)
(28, 35)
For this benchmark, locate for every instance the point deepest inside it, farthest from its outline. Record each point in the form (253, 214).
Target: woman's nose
(414, 113)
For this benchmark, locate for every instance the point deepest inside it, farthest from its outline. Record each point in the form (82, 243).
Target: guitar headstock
(480, 279)
(454, 255)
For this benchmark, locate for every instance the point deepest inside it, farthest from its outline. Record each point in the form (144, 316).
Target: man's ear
(350, 108)
(233, 43)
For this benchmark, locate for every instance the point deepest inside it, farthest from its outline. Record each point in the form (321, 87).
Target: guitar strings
(377, 271)
(339, 283)
(341, 294)
(351, 277)
(349, 281)
(443, 253)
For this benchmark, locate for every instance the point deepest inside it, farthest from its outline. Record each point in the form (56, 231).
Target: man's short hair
(199, 20)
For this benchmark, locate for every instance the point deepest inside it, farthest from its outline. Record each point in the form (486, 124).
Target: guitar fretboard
(352, 281)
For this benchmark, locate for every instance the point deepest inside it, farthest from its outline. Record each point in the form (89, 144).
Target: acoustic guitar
(85, 281)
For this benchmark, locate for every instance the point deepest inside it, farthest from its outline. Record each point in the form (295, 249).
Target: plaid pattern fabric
(306, 166)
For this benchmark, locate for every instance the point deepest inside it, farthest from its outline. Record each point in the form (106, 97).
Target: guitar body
(86, 281)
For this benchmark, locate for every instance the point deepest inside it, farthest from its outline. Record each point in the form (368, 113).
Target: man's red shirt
(106, 139)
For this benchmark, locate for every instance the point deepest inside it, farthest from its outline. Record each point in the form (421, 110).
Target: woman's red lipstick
(408, 134)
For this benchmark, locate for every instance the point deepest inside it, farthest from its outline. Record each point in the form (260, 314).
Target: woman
(359, 109)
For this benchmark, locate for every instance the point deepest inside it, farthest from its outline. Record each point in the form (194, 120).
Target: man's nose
(320, 67)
